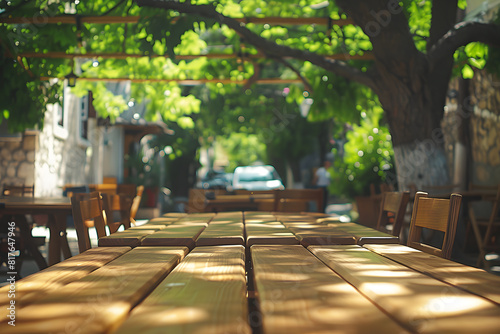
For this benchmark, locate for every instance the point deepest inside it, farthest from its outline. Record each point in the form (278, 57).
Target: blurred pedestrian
(322, 180)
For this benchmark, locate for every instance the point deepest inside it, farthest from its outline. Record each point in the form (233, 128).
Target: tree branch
(114, 7)
(269, 48)
(307, 86)
(462, 34)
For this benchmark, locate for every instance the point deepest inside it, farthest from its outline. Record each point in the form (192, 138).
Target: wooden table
(250, 202)
(57, 208)
(274, 286)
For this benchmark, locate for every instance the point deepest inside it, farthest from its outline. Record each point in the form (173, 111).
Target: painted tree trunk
(420, 165)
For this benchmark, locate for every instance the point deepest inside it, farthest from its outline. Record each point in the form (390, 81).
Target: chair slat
(435, 214)
(87, 207)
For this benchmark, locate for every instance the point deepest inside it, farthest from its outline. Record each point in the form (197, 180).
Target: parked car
(215, 179)
(257, 178)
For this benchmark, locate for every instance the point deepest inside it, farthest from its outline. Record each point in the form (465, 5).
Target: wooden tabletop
(57, 208)
(262, 287)
(35, 203)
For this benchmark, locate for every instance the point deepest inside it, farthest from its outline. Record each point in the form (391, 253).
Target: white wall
(113, 151)
(62, 156)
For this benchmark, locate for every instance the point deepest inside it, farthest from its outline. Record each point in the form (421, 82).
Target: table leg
(29, 241)
(60, 220)
(58, 239)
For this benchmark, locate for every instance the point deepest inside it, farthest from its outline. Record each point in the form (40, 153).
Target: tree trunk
(414, 123)
(420, 165)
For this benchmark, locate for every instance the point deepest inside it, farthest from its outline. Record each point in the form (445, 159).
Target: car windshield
(254, 176)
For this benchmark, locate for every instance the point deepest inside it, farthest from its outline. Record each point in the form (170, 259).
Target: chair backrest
(437, 214)
(392, 211)
(197, 197)
(87, 212)
(136, 203)
(20, 191)
(120, 204)
(109, 188)
(70, 190)
(312, 200)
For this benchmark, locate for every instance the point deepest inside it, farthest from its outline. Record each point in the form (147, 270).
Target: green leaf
(467, 72)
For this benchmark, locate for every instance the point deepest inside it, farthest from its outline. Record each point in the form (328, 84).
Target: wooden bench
(299, 200)
(205, 293)
(100, 301)
(38, 285)
(128, 237)
(307, 297)
(218, 233)
(312, 234)
(162, 221)
(175, 235)
(417, 301)
(268, 233)
(474, 280)
(364, 234)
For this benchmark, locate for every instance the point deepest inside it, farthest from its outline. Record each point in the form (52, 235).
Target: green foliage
(239, 118)
(22, 98)
(473, 55)
(367, 156)
(242, 149)
(419, 16)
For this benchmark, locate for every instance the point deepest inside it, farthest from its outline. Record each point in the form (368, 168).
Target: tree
(259, 125)
(412, 46)
(409, 74)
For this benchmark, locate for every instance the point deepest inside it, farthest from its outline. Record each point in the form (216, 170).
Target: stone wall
(17, 159)
(482, 115)
(485, 128)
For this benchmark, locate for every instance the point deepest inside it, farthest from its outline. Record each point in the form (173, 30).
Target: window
(60, 116)
(84, 117)
(85, 112)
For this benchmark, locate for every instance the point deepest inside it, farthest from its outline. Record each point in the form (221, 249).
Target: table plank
(175, 235)
(162, 221)
(471, 279)
(102, 300)
(218, 234)
(205, 293)
(364, 234)
(128, 237)
(299, 294)
(39, 284)
(272, 233)
(194, 219)
(174, 214)
(419, 302)
(312, 234)
(155, 227)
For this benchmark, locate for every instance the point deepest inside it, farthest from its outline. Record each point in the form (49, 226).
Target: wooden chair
(298, 200)
(87, 213)
(487, 240)
(27, 243)
(392, 211)
(197, 197)
(136, 203)
(20, 191)
(117, 209)
(435, 214)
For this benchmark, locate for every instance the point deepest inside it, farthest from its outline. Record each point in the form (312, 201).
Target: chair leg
(29, 242)
(477, 235)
